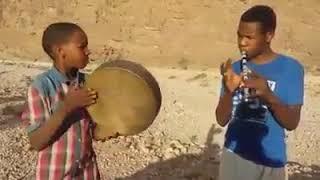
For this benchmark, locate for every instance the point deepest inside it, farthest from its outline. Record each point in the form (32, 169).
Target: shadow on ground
(188, 166)
(205, 166)
(10, 111)
(304, 172)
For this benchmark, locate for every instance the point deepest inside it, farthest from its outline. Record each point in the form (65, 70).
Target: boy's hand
(260, 86)
(79, 97)
(231, 80)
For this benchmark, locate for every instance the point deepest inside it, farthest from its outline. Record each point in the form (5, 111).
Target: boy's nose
(243, 42)
(87, 52)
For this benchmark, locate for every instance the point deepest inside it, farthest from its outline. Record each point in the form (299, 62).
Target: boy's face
(76, 51)
(252, 39)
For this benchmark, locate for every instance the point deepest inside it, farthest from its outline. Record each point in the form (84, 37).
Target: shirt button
(79, 139)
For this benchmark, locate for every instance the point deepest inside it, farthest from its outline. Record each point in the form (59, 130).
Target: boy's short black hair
(262, 14)
(57, 33)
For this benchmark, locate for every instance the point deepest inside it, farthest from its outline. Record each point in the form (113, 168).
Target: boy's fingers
(222, 69)
(241, 84)
(93, 101)
(249, 83)
(73, 87)
(226, 67)
(254, 74)
(90, 102)
(228, 63)
(93, 93)
(93, 96)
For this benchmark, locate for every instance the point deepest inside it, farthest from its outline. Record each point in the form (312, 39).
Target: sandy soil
(184, 142)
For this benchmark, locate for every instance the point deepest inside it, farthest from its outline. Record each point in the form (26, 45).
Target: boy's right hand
(79, 97)
(231, 80)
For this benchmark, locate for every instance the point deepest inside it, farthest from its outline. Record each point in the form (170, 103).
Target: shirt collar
(58, 76)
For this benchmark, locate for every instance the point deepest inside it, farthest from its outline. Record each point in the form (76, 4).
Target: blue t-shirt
(253, 132)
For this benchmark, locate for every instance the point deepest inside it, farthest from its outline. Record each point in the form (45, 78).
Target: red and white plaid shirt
(73, 140)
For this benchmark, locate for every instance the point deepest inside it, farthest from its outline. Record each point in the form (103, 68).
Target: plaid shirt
(71, 142)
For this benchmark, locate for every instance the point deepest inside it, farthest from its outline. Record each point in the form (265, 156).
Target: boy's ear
(58, 51)
(269, 36)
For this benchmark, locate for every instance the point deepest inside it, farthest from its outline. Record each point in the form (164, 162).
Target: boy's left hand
(259, 84)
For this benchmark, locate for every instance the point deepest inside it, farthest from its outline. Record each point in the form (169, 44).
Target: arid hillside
(184, 33)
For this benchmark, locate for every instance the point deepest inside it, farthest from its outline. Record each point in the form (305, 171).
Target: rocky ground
(183, 143)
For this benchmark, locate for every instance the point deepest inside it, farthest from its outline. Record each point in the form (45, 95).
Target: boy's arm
(287, 112)
(40, 138)
(224, 109)
(287, 115)
(230, 82)
(41, 128)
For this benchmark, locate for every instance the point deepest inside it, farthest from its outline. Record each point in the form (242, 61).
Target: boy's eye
(83, 46)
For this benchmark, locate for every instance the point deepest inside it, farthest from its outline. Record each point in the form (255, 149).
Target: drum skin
(129, 98)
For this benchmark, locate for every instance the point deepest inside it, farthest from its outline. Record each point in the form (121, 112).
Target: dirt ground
(181, 43)
(184, 142)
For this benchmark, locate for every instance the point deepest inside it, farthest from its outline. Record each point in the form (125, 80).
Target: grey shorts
(234, 167)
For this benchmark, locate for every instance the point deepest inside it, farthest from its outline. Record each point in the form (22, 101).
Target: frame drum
(129, 98)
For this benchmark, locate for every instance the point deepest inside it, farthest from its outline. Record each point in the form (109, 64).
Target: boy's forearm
(224, 108)
(40, 138)
(287, 116)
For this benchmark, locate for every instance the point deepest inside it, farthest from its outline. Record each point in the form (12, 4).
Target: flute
(246, 71)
